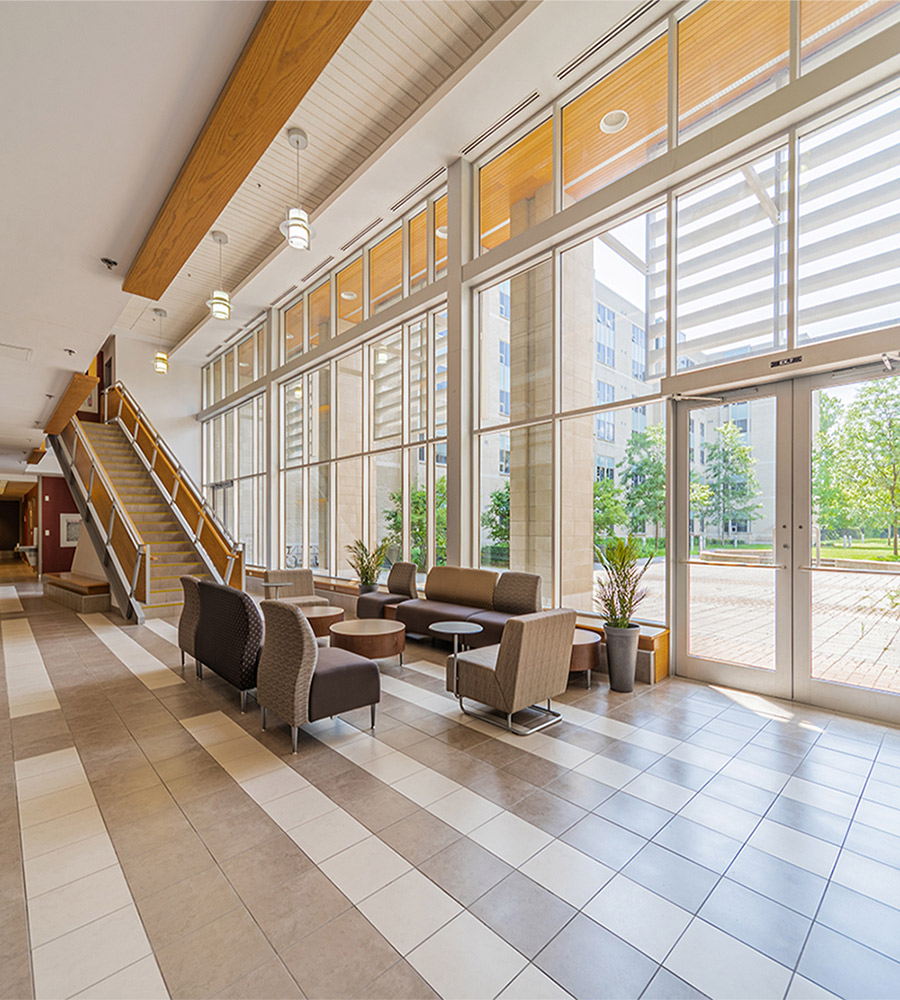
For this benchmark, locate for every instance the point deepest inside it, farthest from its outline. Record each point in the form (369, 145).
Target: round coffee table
(373, 638)
(322, 617)
(456, 629)
(585, 653)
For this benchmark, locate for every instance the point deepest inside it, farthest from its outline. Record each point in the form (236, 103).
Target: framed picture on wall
(69, 530)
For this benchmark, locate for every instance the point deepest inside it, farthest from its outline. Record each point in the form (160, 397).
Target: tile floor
(679, 842)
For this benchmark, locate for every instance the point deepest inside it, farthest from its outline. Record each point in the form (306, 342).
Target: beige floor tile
(298, 907)
(186, 906)
(77, 960)
(61, 803)
(364, 868)
(268, 981)
(69, 907)
(47, 762)
(409, 910)
(57, 868)
(61, 831)
(50, 781)
(264, 868)
(400, 982)
(136, 806)
(170, 862)
(140, 981)
(327, 835)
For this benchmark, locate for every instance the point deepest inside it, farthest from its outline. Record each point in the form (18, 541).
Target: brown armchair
(401, 585)
(296, 585)
(301, 681)
(190, 617)
(530, 664)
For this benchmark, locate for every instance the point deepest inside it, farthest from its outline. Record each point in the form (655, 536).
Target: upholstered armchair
(401, 585)
(514, 594)
(229, 636)
(296, 585)
(190, 617)
(530, 665)
(302, 682)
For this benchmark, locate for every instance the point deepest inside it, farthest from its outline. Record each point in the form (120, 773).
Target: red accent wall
(54, 559)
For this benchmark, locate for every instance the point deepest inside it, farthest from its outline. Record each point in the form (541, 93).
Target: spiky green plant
(367, 562)
(618, 595)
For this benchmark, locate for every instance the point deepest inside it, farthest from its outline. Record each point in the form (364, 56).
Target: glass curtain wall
(238, 367)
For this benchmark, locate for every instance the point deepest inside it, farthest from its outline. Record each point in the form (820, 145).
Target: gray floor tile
(666, 986)
(875, 844)
(847, 968)
(680, 881)
(634, 814)
(699, 843)
(604, 841)
(680, 772)
(740, 794)
(809, 819)
(862, 918)
(779, 880)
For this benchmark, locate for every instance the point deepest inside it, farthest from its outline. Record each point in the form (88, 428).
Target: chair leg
(182, 663)
(372, 716)
(264, 719)
(294, 734)
(199, 666)
(243, 702)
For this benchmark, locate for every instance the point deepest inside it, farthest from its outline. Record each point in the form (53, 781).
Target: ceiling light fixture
(295, 227)
(613, 121)
(220, 303)
(348, 296)
(161, 360)
(441, 232)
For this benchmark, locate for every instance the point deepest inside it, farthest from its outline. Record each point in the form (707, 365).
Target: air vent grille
(15, 352)
(418, 189)
(318, 267)
(606, 39)
(508, 117)
(362, 233)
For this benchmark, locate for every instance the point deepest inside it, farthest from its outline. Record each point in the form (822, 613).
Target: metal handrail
(160, 443)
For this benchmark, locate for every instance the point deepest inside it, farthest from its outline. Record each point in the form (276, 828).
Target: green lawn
(872, 548)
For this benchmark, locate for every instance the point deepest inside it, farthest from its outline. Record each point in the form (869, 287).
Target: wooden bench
(77, 591)
(77, 583)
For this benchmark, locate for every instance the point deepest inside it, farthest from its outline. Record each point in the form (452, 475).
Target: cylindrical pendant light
(161, 360)
(220, 303)
(295, 227)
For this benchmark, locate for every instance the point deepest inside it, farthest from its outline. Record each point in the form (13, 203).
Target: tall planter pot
(621, 656)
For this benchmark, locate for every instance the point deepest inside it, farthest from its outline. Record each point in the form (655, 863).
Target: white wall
(170, 401)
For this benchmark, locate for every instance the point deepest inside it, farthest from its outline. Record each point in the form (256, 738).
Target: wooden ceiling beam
(37, 453)
(287, 50)
(79, 389)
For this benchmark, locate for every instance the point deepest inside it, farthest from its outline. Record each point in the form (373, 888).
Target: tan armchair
(530, 665)
(294, 585)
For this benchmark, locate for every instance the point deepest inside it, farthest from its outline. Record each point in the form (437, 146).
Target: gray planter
(368, 588)
(621, 656)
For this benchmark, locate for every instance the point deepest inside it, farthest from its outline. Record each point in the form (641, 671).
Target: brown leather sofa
(457, 593)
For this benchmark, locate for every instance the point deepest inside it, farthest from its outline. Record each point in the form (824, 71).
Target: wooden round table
(373, 638)
(322, 617)
(585, 653)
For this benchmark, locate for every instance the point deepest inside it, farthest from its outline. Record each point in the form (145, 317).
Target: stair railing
(122, 551)
(221, 554)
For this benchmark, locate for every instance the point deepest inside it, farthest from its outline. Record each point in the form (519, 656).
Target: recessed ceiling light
(348, 296)
(441, 232)
(245, 364)
(613, 121)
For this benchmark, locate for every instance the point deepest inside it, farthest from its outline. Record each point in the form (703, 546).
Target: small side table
(585, 653)
(456, 629)
(373, 638)
(322, 617)
(268, 587)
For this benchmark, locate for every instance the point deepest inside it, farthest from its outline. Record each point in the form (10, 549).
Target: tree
(495, 517)
(733, 487)
(829, 483)
(872, 450)
(418, 523)
(644, 476)
(608, 509)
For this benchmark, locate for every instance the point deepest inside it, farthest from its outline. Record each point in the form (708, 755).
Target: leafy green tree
(608, 509)
(872, 453)
(733, 487)
(830, 485)
(418, 523)
(495, 517)
(643, 472)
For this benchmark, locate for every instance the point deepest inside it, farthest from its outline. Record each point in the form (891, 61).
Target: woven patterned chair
(229, 636)
(297, 584)
(530, 664)
(514, 594)
(190, 617)
(301, 681)
(401, 585)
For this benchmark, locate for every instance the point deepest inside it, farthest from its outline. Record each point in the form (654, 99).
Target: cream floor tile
(364, 868)
(391, 767)
(231, 747)
(140, 981)
(510, 838)
(609, 772)
(532, 983)
(803, 989)
(869, 877)
(44, 762)
(660, 792)
(723, 967)
(75, 961)
(252, 765)
(711, 760)
(149, 670)
(567, 873)
(464, 810)
(798, 848)
(360, 751)
(327, 835)
(467, 961)
(274, 785)
(640, 917)
(813, 794)
(56, 804)
(298, 807)
(57, 868)
(652, 741)
(611, 727)
(426, 786)
(62, 831)
(879, 816)
(50, 781)
(409, 910)
(71, 906)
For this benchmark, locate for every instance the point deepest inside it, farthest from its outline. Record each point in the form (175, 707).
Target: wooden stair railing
(222, 555)
(119, 544)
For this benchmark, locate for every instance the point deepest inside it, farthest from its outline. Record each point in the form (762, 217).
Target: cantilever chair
(301, 681)
(530, 665)
(296, 584)
(401, 585)
(190, 618)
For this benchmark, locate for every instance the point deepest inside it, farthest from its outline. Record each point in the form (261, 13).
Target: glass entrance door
(847, 542)
(733, 540)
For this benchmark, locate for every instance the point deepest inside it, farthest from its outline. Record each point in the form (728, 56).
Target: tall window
(606, 336)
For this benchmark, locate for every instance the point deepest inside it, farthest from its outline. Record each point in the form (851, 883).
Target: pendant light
(161, 361)
(295, 227)
(220, 303)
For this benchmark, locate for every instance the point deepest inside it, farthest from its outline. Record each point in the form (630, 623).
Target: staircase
(172, 554)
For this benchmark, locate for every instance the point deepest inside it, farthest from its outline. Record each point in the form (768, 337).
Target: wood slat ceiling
(15, 489)
(395, 57)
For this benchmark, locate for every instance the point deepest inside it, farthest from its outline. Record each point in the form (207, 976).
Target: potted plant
(367, 563)
(616, 598)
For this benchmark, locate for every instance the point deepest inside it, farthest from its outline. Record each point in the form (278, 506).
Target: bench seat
(77, 583)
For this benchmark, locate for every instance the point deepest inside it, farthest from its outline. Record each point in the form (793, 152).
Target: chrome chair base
(545, 717)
